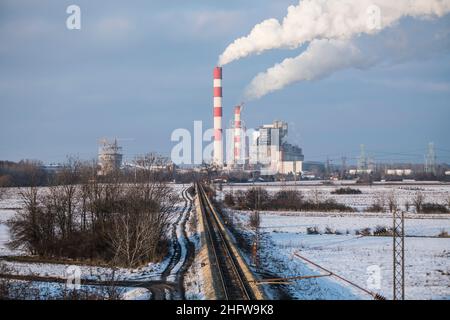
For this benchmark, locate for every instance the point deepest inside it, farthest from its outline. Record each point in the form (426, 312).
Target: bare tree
(79, 216)
(24, 226)
(392, 202)
(141, 224)
(255, 220)
(418, 201)
(2, 192)
(407, 206)
(316, 196)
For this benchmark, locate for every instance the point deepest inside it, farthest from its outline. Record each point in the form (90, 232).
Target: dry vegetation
(258, 198)
(79, 217)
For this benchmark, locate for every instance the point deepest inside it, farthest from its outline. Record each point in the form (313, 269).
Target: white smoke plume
(329, 19)
(321, 58)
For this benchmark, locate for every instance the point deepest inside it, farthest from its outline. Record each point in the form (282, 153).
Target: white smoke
(321, 58)
(329, 19)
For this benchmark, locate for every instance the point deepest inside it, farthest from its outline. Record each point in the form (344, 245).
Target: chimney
(218, 141)
(237, 134)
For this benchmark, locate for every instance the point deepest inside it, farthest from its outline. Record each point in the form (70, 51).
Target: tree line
(79, 215)
(258, 198)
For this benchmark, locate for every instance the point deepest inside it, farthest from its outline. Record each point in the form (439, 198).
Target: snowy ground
(55, 291)
(12, 203)
(403, 193)
(427, 257)
(8, 208)
(194, 281)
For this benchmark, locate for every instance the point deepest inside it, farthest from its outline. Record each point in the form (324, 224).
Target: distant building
(399, 172)
(274, 153)
(109, 157)
(360, 171)
(447, 173)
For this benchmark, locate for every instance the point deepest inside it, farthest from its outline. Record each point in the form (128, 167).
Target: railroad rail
(230, 278)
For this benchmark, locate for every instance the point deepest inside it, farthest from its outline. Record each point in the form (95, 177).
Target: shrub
(312, 230)
(347, 190)
(375, 208)
(229, 200)
(443, 234)
(433, 208)
(259, 199)
(287, 199)
(364, 232)
(382, 231)
(255, 198)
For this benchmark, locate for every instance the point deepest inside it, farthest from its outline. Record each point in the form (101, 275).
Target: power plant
(265, 149)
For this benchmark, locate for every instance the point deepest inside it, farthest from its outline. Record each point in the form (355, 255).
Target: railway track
(232, 284)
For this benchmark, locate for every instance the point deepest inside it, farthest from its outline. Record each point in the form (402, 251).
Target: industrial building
(265, 149)
(274, 154)
(109, 157)
(399, 172)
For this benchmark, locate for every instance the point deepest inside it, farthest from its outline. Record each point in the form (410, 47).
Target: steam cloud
(329, 19)
(329, 27)
(320, 59)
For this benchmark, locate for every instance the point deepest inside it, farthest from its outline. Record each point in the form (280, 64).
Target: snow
(193, 280)
(136, 294)
(54, 291)
(349, 255)
(404, 193)
(427, 257)
(343, 223)
(151, 271)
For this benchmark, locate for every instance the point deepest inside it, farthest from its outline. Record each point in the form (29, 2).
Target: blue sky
(138, 70)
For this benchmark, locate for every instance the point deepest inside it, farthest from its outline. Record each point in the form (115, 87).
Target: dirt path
(179, 263)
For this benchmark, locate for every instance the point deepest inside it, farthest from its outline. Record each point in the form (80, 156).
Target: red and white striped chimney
(237, 134)
(218, 142)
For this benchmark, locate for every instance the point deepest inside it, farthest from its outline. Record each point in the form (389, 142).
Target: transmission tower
(362, 160)
(430, 159)
(398, 235)
(343, 166)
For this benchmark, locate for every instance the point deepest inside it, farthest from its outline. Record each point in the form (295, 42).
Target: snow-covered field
(11, 204)
(8, 208)
(403, 193)
(427, 257)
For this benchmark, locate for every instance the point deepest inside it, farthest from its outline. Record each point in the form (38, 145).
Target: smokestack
(218, 142)
(237, 134)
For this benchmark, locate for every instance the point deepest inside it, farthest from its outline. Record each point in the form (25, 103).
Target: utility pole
(256, 220)
(398, 236)
(327, 168)
(343, 166)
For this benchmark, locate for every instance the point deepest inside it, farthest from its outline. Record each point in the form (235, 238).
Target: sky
(138, 70)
